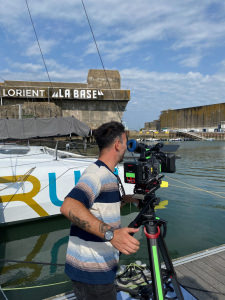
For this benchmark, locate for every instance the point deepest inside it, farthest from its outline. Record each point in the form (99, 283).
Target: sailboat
(34, 180)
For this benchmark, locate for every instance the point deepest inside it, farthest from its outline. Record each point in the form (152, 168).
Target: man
(93, 207)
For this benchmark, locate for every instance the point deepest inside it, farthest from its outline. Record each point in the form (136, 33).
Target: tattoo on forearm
(104, 227)
(78, 222)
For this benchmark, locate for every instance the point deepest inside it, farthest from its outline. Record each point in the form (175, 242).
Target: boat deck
(202, 274)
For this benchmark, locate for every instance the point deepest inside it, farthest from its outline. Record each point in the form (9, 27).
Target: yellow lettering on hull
(24, 197)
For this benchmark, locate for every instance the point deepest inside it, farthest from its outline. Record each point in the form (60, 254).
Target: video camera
(151, 162)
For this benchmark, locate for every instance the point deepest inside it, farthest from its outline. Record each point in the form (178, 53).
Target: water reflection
(33, 254)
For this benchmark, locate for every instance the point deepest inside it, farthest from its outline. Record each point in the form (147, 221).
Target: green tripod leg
(152, 233)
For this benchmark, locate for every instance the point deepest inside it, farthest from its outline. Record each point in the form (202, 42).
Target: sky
(170, 54)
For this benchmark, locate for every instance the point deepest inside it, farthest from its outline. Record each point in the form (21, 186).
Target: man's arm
(78, 214)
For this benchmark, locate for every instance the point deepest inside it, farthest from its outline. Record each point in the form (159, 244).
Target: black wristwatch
(109, 234)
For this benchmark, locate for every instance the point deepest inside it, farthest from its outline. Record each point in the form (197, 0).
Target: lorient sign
(55, 93)
(22, 93)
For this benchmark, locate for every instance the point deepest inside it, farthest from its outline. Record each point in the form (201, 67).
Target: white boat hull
(34, 185)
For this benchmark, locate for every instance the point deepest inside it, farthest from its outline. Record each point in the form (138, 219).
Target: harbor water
(32, 255)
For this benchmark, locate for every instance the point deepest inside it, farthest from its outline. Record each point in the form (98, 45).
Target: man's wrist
(103, 228)
(109, 235)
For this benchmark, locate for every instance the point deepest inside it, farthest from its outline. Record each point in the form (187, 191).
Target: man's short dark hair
(107, 133)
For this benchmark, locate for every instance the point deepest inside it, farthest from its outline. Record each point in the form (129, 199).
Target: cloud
(36, 72)
(123, 27)
(152, 92)
(183, 25)
(191, 61)
(28, 67)
(46, 47)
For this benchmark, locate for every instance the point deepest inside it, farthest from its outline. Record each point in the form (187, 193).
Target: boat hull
(36, 188)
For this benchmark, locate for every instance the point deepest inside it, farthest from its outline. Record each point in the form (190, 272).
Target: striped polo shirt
(89, 258)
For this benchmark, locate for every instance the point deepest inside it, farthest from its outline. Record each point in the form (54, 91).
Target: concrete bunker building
(99, 100)
(199, 118)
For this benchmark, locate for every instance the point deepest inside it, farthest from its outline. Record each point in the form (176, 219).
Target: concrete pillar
(20, 111)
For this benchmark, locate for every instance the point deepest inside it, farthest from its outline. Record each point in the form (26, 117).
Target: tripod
(155, 242)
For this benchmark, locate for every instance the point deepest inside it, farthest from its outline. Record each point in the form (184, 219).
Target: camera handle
(156, 245)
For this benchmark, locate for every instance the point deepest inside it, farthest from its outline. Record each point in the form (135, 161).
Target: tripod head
(144, 192)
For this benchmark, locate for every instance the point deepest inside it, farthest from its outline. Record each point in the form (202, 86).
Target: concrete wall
(109, 79)
(108, 105)
(154, 125)
(193, 117)
(30, 110)
(96, 112)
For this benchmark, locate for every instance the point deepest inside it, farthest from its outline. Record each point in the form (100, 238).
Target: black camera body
(150, 164)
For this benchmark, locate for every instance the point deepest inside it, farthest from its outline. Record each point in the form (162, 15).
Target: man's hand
(124, 242)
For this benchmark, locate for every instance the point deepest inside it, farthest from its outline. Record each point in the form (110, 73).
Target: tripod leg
(169, 267)
(155, 265)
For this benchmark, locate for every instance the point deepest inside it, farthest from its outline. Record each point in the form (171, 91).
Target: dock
(202, 274)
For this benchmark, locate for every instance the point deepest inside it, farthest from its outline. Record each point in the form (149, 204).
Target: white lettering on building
(67, 93)
(94, 94)
(11, 92)
(75, 94)
(88, 94)
(57, 93)
(42, 93)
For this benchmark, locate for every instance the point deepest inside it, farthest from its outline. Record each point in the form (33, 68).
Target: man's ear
(117, 144)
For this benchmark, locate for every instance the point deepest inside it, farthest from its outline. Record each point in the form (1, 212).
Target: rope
(38, 43)
(99, 54)
(3, 293)
(25, 176)
(30, 262)
(196, 188)
(21, 178)
(35, 287)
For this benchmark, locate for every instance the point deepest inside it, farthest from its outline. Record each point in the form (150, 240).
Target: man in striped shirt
(93, 207)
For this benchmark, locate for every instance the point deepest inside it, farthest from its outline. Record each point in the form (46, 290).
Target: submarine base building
(99, 100)
(208, 118)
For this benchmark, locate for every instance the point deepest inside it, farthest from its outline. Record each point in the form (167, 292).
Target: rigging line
(43, 59)
(192, 188)
(184, 187)
(35, 287)
(196, 188)
(19, 156)
(20, 179)
(44, 161)
(43, 187)
(31, 262)
(100, 57)
(1, 290)
(23, 177)
(72, 168)
(34, 163)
